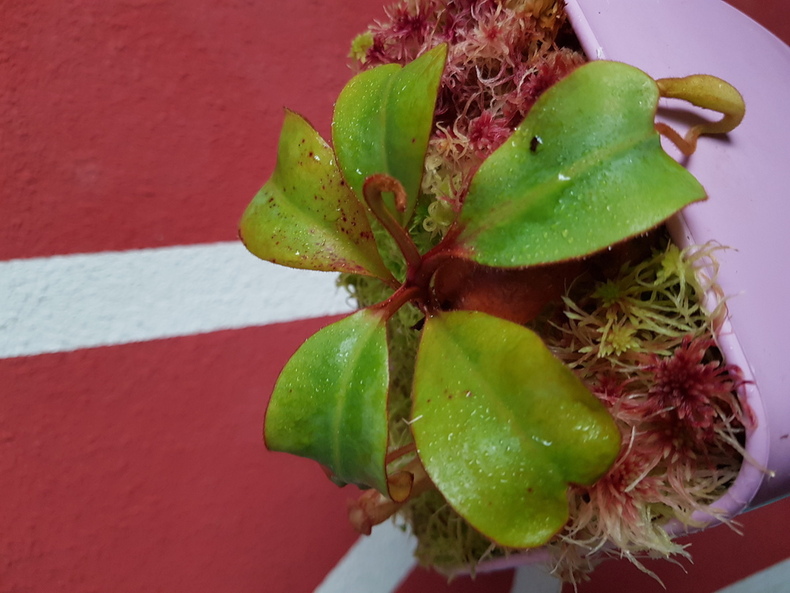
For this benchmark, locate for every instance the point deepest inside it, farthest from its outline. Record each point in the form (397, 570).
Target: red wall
(144, 123)
(130, 124)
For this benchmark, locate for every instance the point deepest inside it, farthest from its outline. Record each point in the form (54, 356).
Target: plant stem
(399, 298)
(374, 186)
(421, 276)
(398, 453)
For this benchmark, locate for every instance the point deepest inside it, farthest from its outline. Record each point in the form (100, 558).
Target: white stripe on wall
(535, 579)
(69, 302)
(775, 579)
(377, 563)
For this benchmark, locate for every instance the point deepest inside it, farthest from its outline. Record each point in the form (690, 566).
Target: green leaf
(502, 426)
(584, 170)
(383, 118)
(305, 216)
(330, 401)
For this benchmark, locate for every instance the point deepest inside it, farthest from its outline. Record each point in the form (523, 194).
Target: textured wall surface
(132, 460)
(143, 123)
(130, 449)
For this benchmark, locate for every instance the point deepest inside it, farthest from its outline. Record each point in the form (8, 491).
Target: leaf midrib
(514, 208)
(503, 410)
(344, 398)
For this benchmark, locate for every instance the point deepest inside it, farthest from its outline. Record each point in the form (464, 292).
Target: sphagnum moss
(673, 462)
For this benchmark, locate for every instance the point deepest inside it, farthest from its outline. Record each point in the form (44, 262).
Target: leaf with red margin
(330, 401)
(584, 170)
(502, 426)
(306, 216)
(382, 122)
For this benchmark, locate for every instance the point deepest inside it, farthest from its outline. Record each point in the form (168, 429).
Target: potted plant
(533, 365)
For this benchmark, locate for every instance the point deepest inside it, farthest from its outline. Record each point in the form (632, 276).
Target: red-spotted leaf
(584, 170)
(305, 216)
(330, 401)
(382, 122)
(502, 426)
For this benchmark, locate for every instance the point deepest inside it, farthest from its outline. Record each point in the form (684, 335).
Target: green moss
(605, 328)
(360, 46)
(445, 540)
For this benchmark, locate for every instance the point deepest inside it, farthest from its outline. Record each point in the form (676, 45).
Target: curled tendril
(708, 92)
(374, 186)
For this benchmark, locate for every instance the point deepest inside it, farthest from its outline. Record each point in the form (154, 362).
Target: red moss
(487, 133)
(688, 395)
(501, 58)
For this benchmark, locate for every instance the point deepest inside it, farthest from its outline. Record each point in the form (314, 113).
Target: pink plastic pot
(747, 177)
